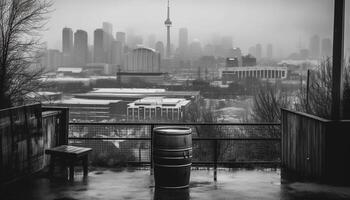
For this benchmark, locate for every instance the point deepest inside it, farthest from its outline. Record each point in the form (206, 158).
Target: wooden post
(151, 150)
(338, 56)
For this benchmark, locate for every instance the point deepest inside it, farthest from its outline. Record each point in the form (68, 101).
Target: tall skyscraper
(67, 46)
(53, 59)
(151, 41)
(108, 38)
(67, 40)
(252, 51)
(121, 37)
(236, 53)
(269, 51)
(99, 54)
(117, 53)
(226, 45)
(314, 47)
(168, 24)
(80, 48)
(160, 48)
(183, 43)
(195, 49)
(258, 51)
(326, 50)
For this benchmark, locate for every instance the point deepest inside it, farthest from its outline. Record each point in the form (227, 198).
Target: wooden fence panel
(24, 136)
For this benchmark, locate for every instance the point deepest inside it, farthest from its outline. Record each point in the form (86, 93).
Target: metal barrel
(172, 154)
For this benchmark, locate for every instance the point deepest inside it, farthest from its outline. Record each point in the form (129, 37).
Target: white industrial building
(157, 109)
(259, 72)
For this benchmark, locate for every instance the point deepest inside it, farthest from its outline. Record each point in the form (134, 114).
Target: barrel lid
(176, 130)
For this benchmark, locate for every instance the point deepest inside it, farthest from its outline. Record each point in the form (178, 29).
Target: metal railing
(225, 144)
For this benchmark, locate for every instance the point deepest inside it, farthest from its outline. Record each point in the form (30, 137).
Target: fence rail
(229, 144)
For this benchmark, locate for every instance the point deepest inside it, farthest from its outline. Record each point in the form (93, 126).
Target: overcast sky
(284, 23)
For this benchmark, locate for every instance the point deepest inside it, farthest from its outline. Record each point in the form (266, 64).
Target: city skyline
(244, 33)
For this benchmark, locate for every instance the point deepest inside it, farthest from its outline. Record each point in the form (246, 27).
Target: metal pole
(338, 55)
(307, 90)
(215, 159)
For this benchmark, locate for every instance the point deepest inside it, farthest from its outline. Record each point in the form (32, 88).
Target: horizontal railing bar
(236, 163)
(108, 138)
(174, 124)
(211, 139)
(219, 163)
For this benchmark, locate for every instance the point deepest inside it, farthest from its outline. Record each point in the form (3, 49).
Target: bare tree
(20, 24)
(267, 102)
(319, 98)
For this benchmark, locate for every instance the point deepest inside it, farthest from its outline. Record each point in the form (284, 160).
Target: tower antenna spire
(168, 24)
(168, 9)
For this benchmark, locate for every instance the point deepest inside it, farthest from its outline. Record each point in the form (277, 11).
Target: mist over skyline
(286, 24)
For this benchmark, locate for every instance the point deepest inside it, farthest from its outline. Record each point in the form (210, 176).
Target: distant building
(209, 50)
(107, 40)
(117, 53)
(70, 71)
(315, 47)
(134, 41)
(141, 64)
(151, 41)
(67, 46)
(142, 60)
(160, 48)
(304, 54)
(232, 62)
(258, 51)
(35, 97)
(195, 50)
(99, 53)
(252, 51)
(121, 37)
(53, 59)
(259, 72)
(132, 94)
(236, 53)
(91, 109)
(326, 50)
(99, 69)
(183, 43)
(248, 60)
(158, 109)
(81, 50)
(269, 52)
(168, 24)
(226, 45)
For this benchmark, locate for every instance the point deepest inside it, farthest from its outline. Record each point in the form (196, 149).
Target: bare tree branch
(21, 22)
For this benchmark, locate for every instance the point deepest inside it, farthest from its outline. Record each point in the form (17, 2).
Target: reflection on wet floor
(139, 184)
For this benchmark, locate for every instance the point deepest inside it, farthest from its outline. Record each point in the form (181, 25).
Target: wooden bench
(70, 155)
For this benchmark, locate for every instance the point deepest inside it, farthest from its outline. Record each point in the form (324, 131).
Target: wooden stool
(70, 154)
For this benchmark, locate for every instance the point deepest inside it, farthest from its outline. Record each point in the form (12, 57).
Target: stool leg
(85, 165)
(71, 170)
(52, 165)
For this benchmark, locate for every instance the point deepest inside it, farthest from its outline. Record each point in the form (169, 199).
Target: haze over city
(248, 22)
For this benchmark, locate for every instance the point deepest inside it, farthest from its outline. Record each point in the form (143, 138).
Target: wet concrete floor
(138, 184)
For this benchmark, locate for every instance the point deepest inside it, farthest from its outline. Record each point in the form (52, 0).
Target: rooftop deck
(133, 183)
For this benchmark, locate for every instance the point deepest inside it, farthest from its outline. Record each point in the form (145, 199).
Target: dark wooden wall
(25, 132)
(315, 148)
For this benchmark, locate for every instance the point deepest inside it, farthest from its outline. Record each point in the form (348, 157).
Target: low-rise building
(259, 72)
(157, 109)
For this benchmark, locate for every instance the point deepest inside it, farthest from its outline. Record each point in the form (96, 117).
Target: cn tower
(168, 24)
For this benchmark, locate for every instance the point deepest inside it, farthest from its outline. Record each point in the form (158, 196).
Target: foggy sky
(284, 23)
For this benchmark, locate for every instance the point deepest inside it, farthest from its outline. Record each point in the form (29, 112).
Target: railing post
(151, 150)
(215, 159)
(139, 153)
